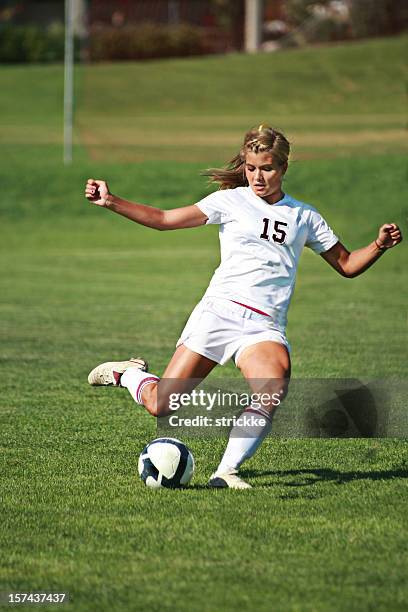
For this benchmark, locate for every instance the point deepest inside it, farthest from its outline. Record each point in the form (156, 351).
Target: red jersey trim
(251, 308)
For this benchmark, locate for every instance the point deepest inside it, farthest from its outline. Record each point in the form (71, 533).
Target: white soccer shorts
(220, 330)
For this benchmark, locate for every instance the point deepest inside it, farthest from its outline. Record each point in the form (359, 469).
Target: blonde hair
(262, 139)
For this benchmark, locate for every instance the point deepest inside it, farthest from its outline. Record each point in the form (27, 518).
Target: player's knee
(158, 407)
(283, 390)
(273, 394)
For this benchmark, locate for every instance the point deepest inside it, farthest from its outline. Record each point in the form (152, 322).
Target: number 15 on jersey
(279, 233)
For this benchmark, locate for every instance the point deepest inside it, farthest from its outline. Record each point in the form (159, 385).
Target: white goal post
(68, 80)
(253, 25)
(75, 25)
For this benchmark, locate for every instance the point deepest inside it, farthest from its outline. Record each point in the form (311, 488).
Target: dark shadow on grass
(198, 487)
(313, 476)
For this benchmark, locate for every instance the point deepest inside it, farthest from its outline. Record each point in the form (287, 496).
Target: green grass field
(324, 527)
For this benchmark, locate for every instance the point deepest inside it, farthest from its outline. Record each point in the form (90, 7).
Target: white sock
(253, 425)
(135, 381)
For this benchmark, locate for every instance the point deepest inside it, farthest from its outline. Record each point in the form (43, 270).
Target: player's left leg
(266, 367)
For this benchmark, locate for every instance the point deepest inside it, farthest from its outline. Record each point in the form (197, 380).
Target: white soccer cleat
(109, 373)
(228, 480)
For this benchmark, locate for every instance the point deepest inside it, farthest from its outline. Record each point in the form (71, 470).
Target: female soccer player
(243, 313)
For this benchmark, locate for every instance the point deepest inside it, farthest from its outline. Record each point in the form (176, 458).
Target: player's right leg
(184, 372)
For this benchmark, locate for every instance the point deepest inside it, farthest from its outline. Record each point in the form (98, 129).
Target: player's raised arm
(352, 264)
(98, 193)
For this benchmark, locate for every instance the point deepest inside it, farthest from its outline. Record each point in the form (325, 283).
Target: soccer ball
(166, 462)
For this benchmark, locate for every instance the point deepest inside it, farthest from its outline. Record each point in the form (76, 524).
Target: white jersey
(260, 247)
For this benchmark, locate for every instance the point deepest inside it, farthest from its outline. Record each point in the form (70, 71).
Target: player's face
(264, 176)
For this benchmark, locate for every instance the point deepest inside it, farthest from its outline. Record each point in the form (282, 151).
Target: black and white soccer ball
(166, 462)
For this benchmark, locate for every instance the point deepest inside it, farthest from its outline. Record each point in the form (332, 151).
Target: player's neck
(274, 197)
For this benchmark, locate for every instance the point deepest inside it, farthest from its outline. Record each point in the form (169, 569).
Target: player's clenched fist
(97, 192)
(389, 235)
